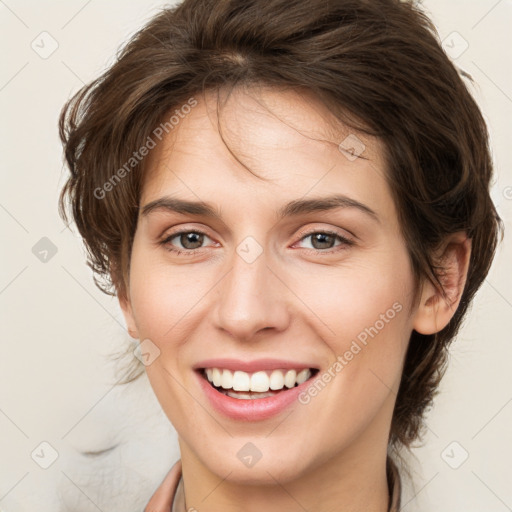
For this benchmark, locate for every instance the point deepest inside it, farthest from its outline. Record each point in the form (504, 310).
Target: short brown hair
(378, 65)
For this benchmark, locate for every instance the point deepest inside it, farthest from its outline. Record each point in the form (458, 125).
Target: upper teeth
(259, 381)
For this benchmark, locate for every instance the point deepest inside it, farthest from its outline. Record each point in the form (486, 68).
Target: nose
(251, 298)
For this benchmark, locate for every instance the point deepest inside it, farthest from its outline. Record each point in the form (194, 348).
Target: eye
(325, 241)
(190, 241)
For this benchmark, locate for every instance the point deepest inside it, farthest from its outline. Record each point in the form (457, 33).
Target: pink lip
(251, 410)
(251, 366)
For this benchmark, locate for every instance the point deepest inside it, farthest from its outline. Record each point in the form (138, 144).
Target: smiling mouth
(262, 384)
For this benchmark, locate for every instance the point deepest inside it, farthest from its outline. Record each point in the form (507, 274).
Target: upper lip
(252, 366)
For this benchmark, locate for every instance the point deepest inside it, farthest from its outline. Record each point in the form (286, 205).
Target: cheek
(367, 319)
(368, 309)
(371, 292)
(362, 313)
(164, 297)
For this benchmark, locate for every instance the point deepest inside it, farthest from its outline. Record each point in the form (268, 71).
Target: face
(293, 287)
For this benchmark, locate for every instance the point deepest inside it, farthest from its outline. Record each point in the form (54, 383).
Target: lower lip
(251, 409)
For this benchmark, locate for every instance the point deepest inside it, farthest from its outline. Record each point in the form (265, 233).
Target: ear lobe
(126, 307)
(437, 309)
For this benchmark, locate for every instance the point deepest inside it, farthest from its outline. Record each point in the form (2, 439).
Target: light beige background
(57, 328)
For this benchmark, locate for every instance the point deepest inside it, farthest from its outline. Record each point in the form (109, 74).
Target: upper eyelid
(301, 235)
(185, 231)
(330, 231)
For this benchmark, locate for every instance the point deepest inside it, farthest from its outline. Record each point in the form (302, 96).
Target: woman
(290, 200)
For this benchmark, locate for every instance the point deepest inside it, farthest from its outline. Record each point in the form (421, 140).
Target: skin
(295, 301)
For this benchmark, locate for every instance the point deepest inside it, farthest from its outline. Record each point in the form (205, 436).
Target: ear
(435, 310)
(126, 307)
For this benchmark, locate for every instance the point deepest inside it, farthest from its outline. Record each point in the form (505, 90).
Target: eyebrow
(293, 208)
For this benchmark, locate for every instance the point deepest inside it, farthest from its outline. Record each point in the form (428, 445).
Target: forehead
(289, 139)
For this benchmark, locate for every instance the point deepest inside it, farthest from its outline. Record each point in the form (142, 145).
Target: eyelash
(345, 242)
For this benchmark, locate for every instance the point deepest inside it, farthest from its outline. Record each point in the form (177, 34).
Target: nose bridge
(250, 297)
